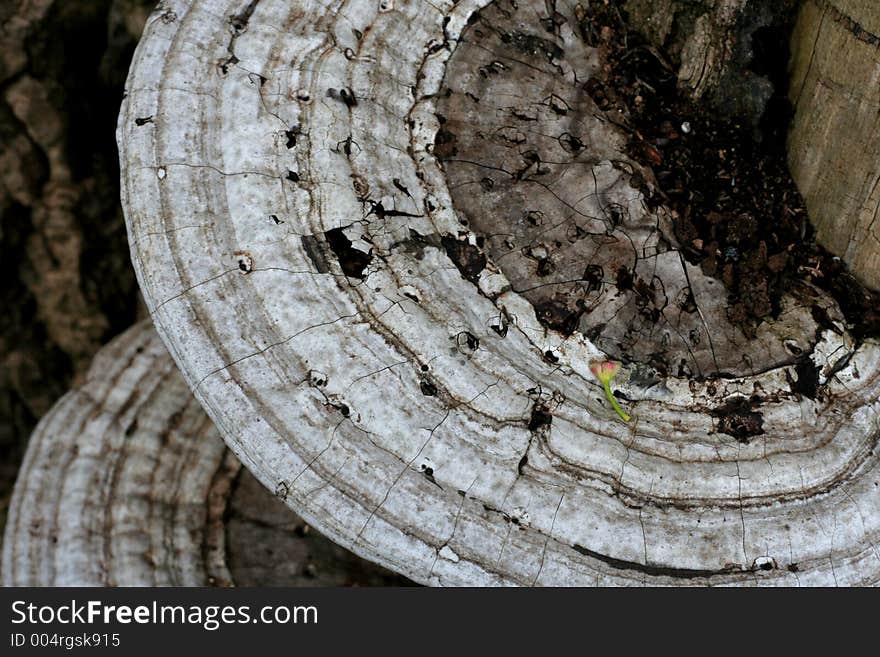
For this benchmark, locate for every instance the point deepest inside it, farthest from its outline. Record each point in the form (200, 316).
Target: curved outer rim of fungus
(425, 421)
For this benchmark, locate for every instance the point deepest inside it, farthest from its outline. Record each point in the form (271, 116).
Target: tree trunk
(834, 148)
(68, 285)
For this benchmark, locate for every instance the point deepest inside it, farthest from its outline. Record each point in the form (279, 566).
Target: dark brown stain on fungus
(500, 328)
(557, 314)
(344, 96)
(533, 45)
(224, 65)
(541, 418)
(428, 473)
(400, 186)
(239, 21)
(444, 144)
(347, 147)
(550, 357)
(317, 379)
(312, 247)
(540, 170)
(377, 208)
(282, 490)
(738, 418)
(468, 259)
(417, 243)
(343, 408)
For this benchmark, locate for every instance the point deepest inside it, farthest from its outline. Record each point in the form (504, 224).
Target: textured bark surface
(713, 44)
(310, 261)
(834, 146)
(67, 285)
(127, 483)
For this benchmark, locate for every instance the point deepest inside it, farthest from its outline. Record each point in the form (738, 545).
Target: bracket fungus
(383, 241)
(127, 483)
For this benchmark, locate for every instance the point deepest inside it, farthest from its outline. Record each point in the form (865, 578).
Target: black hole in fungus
(352, 261)
(738, 419)
(467, 258)
(540, 417)
(291, 136)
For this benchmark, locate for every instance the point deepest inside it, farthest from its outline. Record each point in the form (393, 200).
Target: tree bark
(834, 146)
(68, 285)
(712, 43)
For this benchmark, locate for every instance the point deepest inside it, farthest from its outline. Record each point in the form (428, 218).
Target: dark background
(68, 286)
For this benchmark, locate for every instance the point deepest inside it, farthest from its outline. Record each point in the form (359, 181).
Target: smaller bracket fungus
(127, 483)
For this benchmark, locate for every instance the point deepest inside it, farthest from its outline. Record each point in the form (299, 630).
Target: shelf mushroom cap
(115, 480)
(317, 216)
